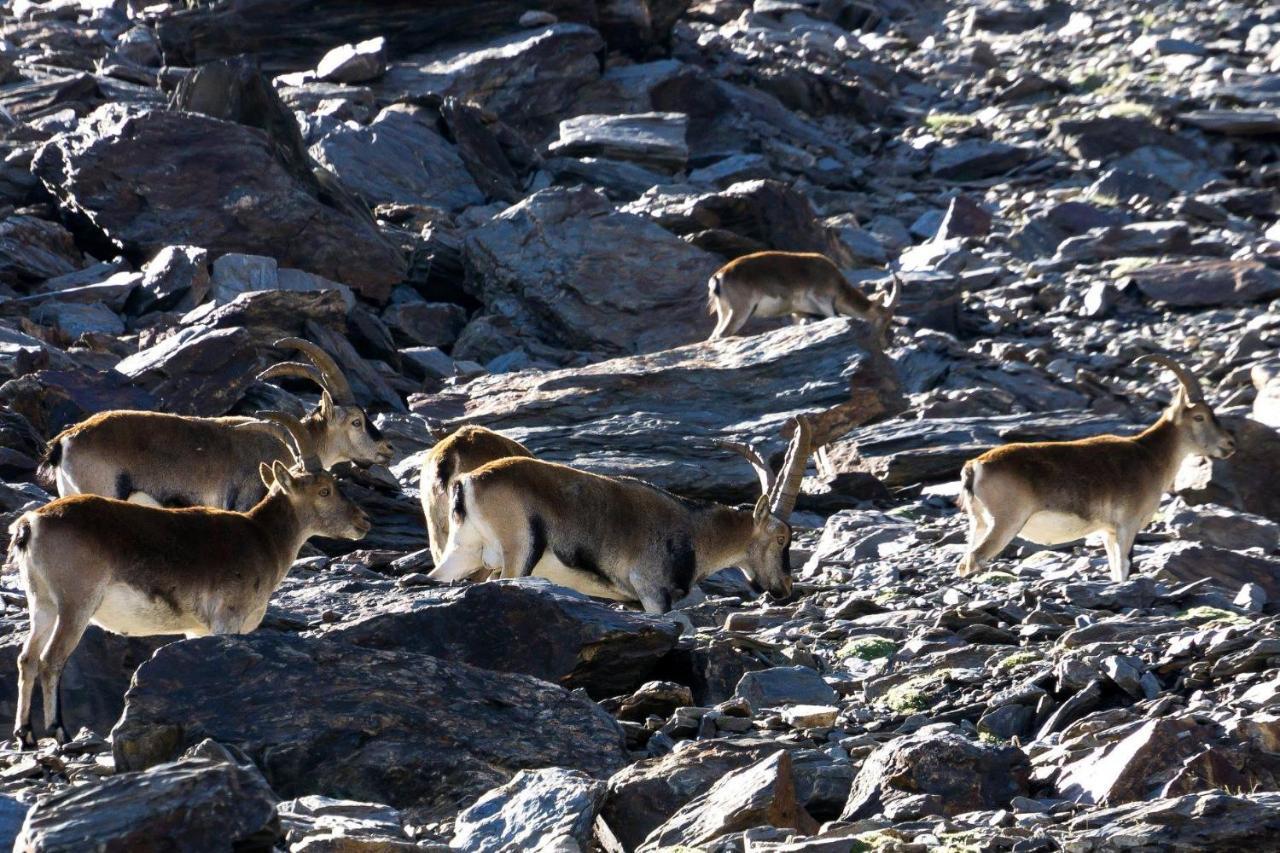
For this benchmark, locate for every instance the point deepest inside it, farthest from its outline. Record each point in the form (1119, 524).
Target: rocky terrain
(504, 212)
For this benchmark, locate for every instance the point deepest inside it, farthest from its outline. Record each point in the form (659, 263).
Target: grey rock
(1213, 819)
(197, 371)
(34, 249)
(652, 139)
(975, 159)
(784, 685)
(1214, 282)
(427, 324)
(354, 63)
(176, 278)
(321, 717)
(538, 810)
(74, 319)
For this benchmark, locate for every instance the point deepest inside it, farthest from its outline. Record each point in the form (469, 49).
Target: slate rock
(552, 809)
(1213, 820)
(194, 804)
(652, 139)
(428, 324)
(399, 157)
(1244, 481)
(527, 626)
(323, 717)
(316, 824)
(354, 63)
(967, 775)
(762, 794)
(175, 278)
(1266, 405)
(621, 411)
(567, 269)
(975, 159)
(784, 685)
(116, 170)
(1189, 561)
(1191, 284)
(197, 371)
(1135, 767)
(34, 249)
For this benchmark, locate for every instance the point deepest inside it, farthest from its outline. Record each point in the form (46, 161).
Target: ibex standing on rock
(139, 570)
(463, 451)
(1061, 491)
(619, 537)
(802, 284)
(175, 460)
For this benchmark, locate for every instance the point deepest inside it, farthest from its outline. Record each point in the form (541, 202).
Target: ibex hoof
(60, 734)
(25, 738)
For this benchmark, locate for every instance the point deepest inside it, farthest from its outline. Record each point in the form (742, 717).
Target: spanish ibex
(176, 460)
(619, 537)
(463, 451)
(140, 570)
(1060, 491)
(802, 284)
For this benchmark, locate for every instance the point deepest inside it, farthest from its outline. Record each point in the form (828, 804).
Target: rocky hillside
(504, 212)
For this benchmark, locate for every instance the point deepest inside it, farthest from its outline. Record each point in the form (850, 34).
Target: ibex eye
(356, 422)
(324, 493)
(1199, 418)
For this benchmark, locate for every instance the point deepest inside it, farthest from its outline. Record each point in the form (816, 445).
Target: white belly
(773, 306)
(585, 582)
(126, 610)
(1054, 528)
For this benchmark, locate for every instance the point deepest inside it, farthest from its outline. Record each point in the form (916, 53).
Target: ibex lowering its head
(141, 570)
(465, 450)
(175, 460)
(1061, 491)
(619, 537)
(802, 284)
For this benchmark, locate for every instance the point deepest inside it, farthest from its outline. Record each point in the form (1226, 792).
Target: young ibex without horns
(802, 284)
(1060, 491)
(619, 537)
(463, 451)
(140, 570)
(176, 460)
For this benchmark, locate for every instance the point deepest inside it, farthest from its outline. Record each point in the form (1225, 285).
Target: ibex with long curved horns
(802, 284)
(176, 460)
(618, 537)
(141, 570)
(1059, 491)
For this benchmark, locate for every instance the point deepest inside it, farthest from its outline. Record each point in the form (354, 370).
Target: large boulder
(1194, 284)
(321, 717)
(964, 775)
(1214, 820)
(655, 416)
(525, 626)
(187, 803)
(565, 267)
(1245, 480)
(115, 171)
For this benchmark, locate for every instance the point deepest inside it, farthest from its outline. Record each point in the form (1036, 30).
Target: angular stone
(651, 139)
(1189, 561)
(1266, 406)
(187, 803)
(1136, 767)
(1244, 481)
(176, 278)
(1193, 284)
(431, 324)
(198, 371)
(1213, 820)
(762, 794)
(34, 249)
(975, 159)
(1259, 122)
(538, 810)
(967, 775)
(116, 170)
(354, 63)
(784, 686)
(317, 824)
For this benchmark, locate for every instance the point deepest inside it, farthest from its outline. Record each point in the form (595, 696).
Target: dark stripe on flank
(124, 485)
(581, 559)
(459, 502)
(537, 544)
(682, 564)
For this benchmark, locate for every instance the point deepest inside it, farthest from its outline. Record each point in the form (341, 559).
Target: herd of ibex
(169, 524)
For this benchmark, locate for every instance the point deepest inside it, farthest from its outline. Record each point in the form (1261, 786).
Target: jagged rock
(197, 371)
(188, 803)
(651, 139)
(432, 324)
(322, 717)
(325, 825)
(1136, 767)
(398, 157)
(354, 63)
(762, 794)
(530, 78)
(1213, 820)
(1189, 561)
(965, 774)
(35, 249)
(538, 810)
(116, 170)
(1234, 122)
(175, 278)
(55, 399)
(1138, 238)
(73, 320)
(1220, 527)
(784, 685)
(1246, 479)
(1217, 282)
(526, 626)
(974, 159)
(593, 278)
(687, 396)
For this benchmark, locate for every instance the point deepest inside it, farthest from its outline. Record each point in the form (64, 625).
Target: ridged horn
(792, 473)
(1190, 384)
(303, 452)
(757, 461)
(335, 382)
(292, 368)
(895, 291)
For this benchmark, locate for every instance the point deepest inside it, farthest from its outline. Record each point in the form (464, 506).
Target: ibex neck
(280, 528)
(721, 535)
(1167, 446)
(315, 426)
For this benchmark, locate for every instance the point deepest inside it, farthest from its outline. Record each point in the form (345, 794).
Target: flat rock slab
(1213, 820)
(1193, 284)
(563, 266)
(321, 717)
(785, 685)
(1235, 122)
(116, 170)
(527, 626)
(195, 804)
(653, 139)
(655, 416)
(539, 810)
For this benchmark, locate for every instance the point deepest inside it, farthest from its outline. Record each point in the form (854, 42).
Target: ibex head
(347, 431)
(883, 307)
(768, 562)
(1189, 412)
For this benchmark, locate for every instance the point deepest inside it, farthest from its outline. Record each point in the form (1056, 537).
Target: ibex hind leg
(464, 554)
(43, 616)
(67, 631)
(995, 539)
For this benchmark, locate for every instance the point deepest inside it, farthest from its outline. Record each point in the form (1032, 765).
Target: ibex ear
(264, 471)
(761, 511)
(326, 404)
(282, 475)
